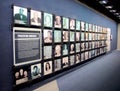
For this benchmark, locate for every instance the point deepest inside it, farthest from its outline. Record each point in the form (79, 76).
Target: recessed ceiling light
(103, 2)
(112, 10)
(109, 7)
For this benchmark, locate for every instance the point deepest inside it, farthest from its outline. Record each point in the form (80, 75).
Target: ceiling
(110, 8)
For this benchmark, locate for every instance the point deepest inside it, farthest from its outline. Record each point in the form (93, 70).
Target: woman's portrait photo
(47, 67)
(35, 18)
(65, 36)
(57, 64)
(21, 76)
(57, 36)
(48, 20)
(47, 36)
(72, 48)
(77, 58)
(82, 46)
(20, 15)
(72, 24)
(57, 22)
(36, 71)
(57, 50)
(65, 62)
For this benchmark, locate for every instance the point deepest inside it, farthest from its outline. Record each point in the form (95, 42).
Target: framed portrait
(47, 67)
(65, 62)
(65, 23)
(77, 36)
(82, 26)
(36, 71)
(72, 24)
(48, 20)
(48, 36)
(65, 49)
(72, 60)
(90, 36)
(77, 25)
(89, 54)
(86, 55)
(86, 36)
(90, 27)
(20, 15)
(35, 18)
(57, 64)
(21, 76)
(77, 47)
(90, 45)
(82, 56)
(57, 36)
(65, 36)
(72, 48)
(93, 28)
(86, 26)
(47, 52)
(77, 60)
(93, 45)
(93, 36)
(82, 46)
(27, 45)
(82, 36)
(72, 36)
(86, 46)
(92, 53)
(57, 22)
(57, 50)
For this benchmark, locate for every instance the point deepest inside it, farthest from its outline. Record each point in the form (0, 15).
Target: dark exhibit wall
(67, 8)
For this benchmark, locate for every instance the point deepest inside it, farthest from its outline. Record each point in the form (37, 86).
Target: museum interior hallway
(101, 74)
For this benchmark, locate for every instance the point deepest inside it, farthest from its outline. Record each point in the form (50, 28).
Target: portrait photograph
(57, 50)
(20, 15)
(93, 36)
(21, 76)
(90, 36)
(57, 22)
(65, 49)
(96, 28)
(47, 52)
(90, 45)
(82, 36)
(86, 26)
(90, 27)
(48, 36)
(35, 18)
(77, 47)
(65, 36)
(72, 24)
(86, 46)
(77, 60)
(65, 62)
(92, 53)
(82, 46)
(57, 36)
(77, 25)
(72, 48)
(35, 71)
(82, 56)
(86, 55)
(77, 36)
(82, 25)
(93, 28)
(48, 20)
(86, 36)
(57, 64)
(72, 36)
(47, 67)
(72, 60)
(89, 54)
(65, 23)
(93, 44)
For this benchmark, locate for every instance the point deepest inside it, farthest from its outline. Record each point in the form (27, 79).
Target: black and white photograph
(65, 62)
(20, 15)
(57, 36)
(82, 46)
(77, 47)
(82, 56)
(77, 60)
(72, 48)
(65, 23)
(65, 49)
(35, 18)
(86, 55)
(35, 71)
(57, 64)
(72, 24)
(47, 52)
(65, 36)
(77, 25)
(47, 67)
(57, 22)
(77, 36)
(48, 36)
(72, 60)
(72, 36)
(82, 36)
(57, 50)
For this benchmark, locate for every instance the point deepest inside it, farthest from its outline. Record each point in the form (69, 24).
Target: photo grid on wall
(47, 43)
